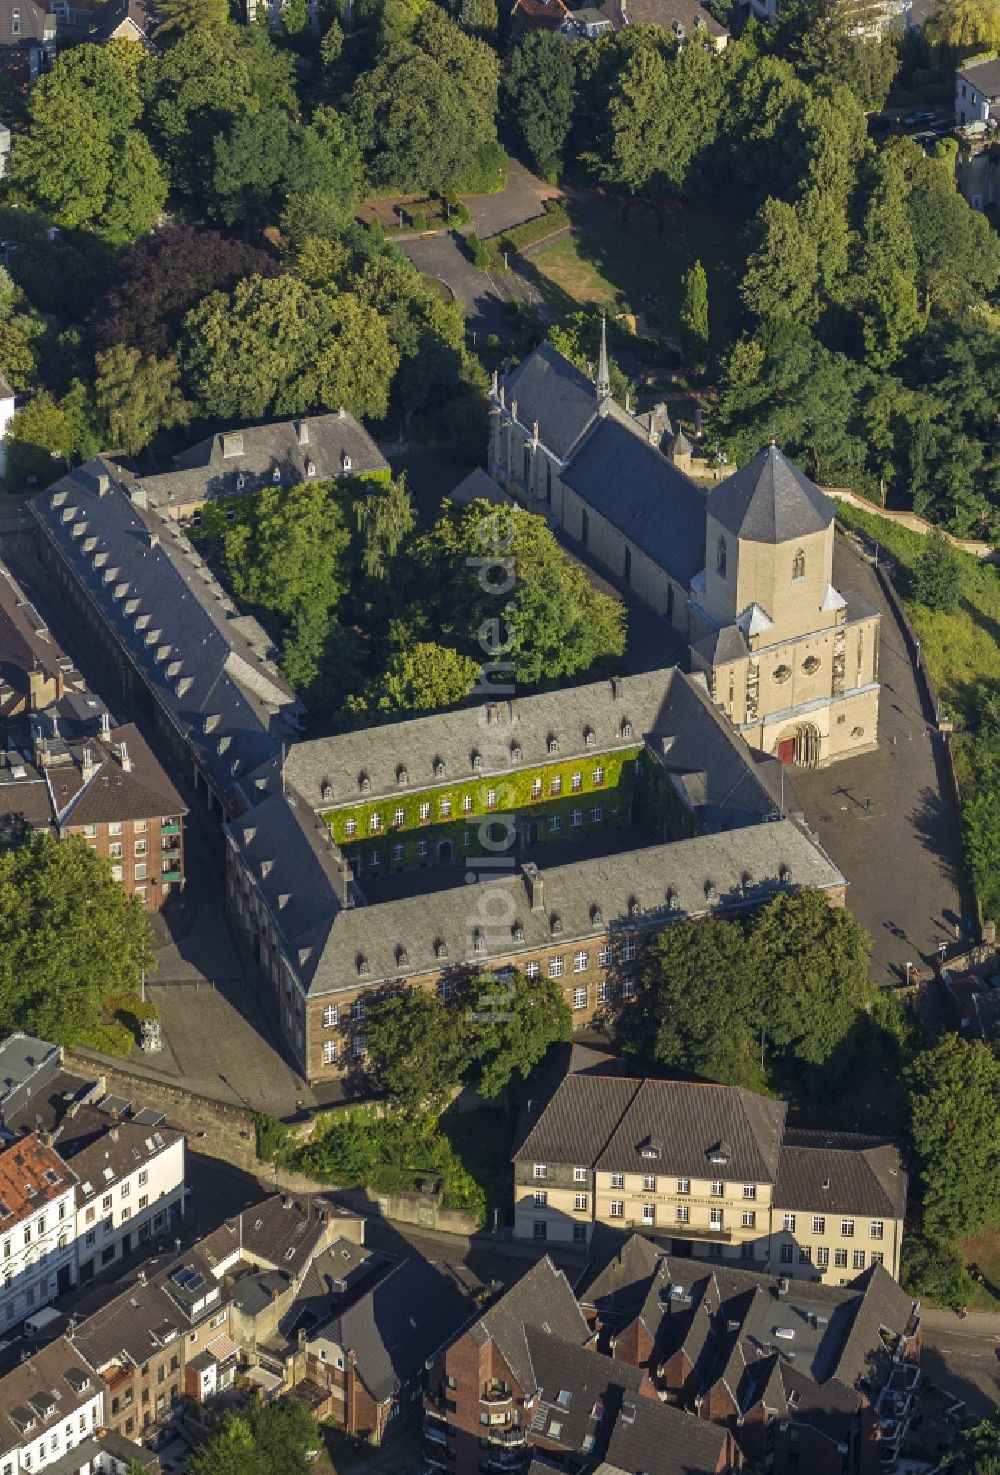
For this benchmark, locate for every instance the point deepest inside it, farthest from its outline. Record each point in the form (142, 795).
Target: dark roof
(281, 1231)
(106, 21)
(480, 486)
(538, 14)
(984, 76)
(647, 499)
(687, 1120)
(136, 788)
(579, 1121)
(551, 390)
(618, 1274)
(36, 24)
(719, 647)
(104, 1150)
(581, 1392)
(769, 500)
(651, 1438)
(46, 1389)
(542, 1298)
(667, 14)
(394, 1328)
(844, 1172)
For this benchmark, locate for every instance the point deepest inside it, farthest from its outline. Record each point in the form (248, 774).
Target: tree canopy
(955, 1104)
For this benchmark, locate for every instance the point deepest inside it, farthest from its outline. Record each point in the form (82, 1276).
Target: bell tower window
(720, 558)
(799, 566)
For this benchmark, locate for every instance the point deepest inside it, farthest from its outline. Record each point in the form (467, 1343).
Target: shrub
(418, 219)
(273, 1137)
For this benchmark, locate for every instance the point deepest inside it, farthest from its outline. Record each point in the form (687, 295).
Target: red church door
(786, 751)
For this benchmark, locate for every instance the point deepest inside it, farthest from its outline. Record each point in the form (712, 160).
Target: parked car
(923, 115)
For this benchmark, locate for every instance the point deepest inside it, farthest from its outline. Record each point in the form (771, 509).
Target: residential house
(369, 1357)
(68, 770)
(122, 20)
(585, 24)
(708, 1170)
(538, 15)
(681, 18)
(977, 94)
(27, 39)
(51, 1407)
(37, 1241)
(36, 1089)
(744, 570)
(798, 1372)
(130, 1172)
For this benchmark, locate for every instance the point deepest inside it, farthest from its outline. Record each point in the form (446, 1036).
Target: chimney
(533, 884)
(124, 759)
(513, 409)
(103, 484)
(154, 539)
(137, 496)
(301, 432)
(232, 444)
(87, 766)
(105, 722)
(341, 413)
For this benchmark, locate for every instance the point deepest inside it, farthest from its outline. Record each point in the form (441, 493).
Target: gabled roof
(542, 1298)
(769, 500)
(984, 76)
(395, 1327)
(844, 1172)
(655, 1439)
(579, 1121)
(653, 504)
(550, 389)
(43, 1391)
(581, 1393)
(31, 1175)
(687, 1120)
(545, 15)
(667, 14)
(135, 789)
(621, 1269)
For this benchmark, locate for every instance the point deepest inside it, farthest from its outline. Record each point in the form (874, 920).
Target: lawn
(984, 1250)
(635, 250)
(962, 650)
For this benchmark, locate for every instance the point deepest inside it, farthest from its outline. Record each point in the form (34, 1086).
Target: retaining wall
(910, 520)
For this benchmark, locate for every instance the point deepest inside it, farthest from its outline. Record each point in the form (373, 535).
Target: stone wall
(912, 521)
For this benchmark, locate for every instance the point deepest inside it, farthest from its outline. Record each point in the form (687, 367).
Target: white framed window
(805, 1254)
(557, 966)
(140, 847)
(749, 1190)
(555, 787)
(536, 788)
(822, 1257)
(604, 955)
(717, 1188)
(576, 818)
(683, 1214)
(715, 1218)
(466, 803)
(115, 828)
(598, 775)
(358, 1009)
(445, 990)
(617, 1209)
(604, 992)
(617, 1180)
(398, 851)
(840, 1259)
(847, 1228)
(425, 811)
(579, 998)
(445, 810)
(579, 1202)
(330, 1052)
(555, 822)
(115, 849)
(541, 1197)
(859, 1259)
(90, 833)
(350, 828)
(375, 823)
(116, 871)
(749, 1219)
(819, 1224)
(628, 950)
(597, 814)
(532, 970)
(423, 847)
(581, 962)
(684, 1185)
(628, 987)
(876, 1229)
(788, 1223)
(649, 1183)
(399, 817)
(359, 1045)
(579, 1175)
(877, 1257)
(649, 1213)
(491, 798)
(576, 782)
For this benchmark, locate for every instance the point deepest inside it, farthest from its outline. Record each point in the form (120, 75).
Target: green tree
(783, 268)
(955, 1104)
(937, 577)
(815, 959)
(540, 97)
(280, 347)
(260, 160)
(978, 1448)
(514, 1020)
(181, 16)
(694, 317)
(262, 1439)
(697, 1005)
(425, 677)
(933, 1266)
(578, 336)
(288, 552)
(417, 1049)
(820, 39)
(637, 113)
(22, 331)
(47, 436)
(966, 25)
(137, 396)
(70, 940)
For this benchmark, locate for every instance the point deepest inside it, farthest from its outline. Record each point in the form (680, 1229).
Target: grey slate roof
(397, 1325)
(843, 1171)
(579, 1121)
(244, 461)
(984, 76)
(666, 883)
(36, 24)
(20, 1057)
(618, 1274)
(687, 1119)
(480, 486)
(722, 646)
(647, 499)
(542, 1299)
(211, 668)
(43, 1378)
(551, 390)
(769, 500)
(327, 771)
(581, 1392)
(652, 1438)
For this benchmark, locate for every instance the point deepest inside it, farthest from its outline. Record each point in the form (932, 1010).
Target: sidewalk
(976, 1324)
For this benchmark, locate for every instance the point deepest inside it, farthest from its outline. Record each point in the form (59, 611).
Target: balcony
(508, 1438)
(170, 844)
(683, 1231)
(436, 1433)
(496, 1395)
(173, 828)
(174, 874)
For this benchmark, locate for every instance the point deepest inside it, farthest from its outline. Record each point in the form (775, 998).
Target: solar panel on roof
(194, 1281)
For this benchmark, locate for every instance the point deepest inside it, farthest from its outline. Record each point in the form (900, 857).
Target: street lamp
(909, 970)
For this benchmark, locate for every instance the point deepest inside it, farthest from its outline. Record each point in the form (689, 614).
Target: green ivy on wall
(514, 796)
(658, 806)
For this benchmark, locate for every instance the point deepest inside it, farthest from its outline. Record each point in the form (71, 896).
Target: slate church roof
(770, 501)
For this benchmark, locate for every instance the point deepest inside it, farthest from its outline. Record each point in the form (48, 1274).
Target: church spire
(603, 381)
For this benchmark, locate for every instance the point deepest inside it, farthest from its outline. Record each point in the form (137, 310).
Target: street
(963, 1357)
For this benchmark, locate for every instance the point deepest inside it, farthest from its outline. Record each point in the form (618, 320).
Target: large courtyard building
(743, 569)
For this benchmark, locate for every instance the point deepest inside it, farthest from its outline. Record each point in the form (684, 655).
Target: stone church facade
(742, 569)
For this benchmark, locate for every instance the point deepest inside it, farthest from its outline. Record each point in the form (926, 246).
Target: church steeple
(603, 381)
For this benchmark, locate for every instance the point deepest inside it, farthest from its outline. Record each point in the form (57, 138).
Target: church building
(742, 569)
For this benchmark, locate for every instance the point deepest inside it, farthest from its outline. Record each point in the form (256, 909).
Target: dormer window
(720, 558)
(276, 474)
(517, 932)
(402, 957)
(556, 924)
(784, 875)
(515, 752)
(626, 728)
(310, 468)
(440, 948)
(402, 777)
(589, 736)
(326, 790)
(364, 783)
(711, 891)
(633, 907)
(439, 768)
(596, 915)
(650, 1151)
(363, 969)
(553, 743)
(477, 759)
(345, 461)
(673, 900)
(719, 1155)
(478, 942)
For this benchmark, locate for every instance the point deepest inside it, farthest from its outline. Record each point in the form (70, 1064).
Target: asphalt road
(964, 1359)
